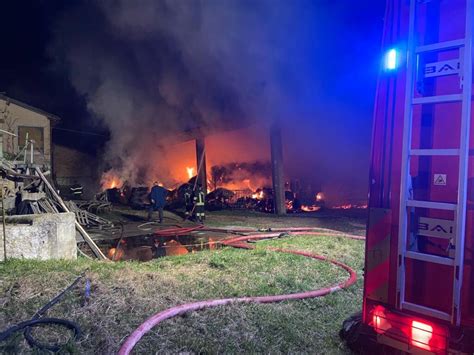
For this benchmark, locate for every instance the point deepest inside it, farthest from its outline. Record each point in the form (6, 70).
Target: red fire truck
(419, 267)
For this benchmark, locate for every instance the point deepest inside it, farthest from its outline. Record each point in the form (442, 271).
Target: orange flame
(190, 172)
(110, 180)
(258, 195)
(247, 181)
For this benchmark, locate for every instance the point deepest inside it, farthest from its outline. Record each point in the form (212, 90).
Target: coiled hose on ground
(242, 242)
(38, 319)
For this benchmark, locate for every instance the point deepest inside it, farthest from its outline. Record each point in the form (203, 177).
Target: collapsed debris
(221, 198)
(79, 227)
(26, 190)
(88, 219)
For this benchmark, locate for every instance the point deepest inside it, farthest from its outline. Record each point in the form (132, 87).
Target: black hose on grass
(36, 320)
(83, 254)
(27, 325)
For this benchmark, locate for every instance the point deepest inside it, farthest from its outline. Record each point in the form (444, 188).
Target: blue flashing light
(391, 59)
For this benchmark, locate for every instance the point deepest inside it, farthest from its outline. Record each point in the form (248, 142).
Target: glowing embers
(258, 195)
(417, 333)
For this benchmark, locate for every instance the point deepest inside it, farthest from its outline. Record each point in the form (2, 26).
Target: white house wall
(12, 116)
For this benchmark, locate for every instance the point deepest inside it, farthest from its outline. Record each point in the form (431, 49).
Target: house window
(35, 134)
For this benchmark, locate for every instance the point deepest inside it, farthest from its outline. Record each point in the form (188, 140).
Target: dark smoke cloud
(150, 69)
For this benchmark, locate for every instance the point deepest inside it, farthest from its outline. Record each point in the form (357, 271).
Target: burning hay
(234, 185)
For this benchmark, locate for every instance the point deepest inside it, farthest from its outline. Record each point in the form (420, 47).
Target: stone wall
(41, 236)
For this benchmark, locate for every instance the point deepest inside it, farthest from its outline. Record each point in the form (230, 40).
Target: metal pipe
(31, 151)
(25, 148)
(7, 132)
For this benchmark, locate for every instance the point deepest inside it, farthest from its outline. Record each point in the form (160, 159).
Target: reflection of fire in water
(310, 208)
(144, 252)
(349, 206)
(175, 248)
(190, 172)
(212, 244)
(115, 254)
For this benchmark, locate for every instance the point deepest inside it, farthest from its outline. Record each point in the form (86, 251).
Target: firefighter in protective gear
(188, 200)
(199, 201)
(76, 190)
(158, 201)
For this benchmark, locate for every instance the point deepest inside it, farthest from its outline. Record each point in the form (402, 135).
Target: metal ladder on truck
(464, 45)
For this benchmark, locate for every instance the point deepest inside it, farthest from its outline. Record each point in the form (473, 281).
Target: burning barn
(239, 175)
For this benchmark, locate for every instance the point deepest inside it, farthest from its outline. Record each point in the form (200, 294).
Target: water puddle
(148, 247)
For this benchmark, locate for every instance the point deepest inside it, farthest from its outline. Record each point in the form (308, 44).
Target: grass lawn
(124, 294)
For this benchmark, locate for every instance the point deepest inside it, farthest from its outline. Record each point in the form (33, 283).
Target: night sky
(180, 65)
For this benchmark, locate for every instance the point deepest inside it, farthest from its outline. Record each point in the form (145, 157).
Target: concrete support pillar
(277, 170)
(201, 163)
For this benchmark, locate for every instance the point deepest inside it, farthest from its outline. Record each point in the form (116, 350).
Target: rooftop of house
(50, 116)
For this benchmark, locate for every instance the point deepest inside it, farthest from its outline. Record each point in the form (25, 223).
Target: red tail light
(413, 332)
(379, 320)
(421, 335)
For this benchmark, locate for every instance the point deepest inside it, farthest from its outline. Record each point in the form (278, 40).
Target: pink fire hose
(241, 242)
(177, 231)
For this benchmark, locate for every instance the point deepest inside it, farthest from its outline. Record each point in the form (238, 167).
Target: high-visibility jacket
(76, 190)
